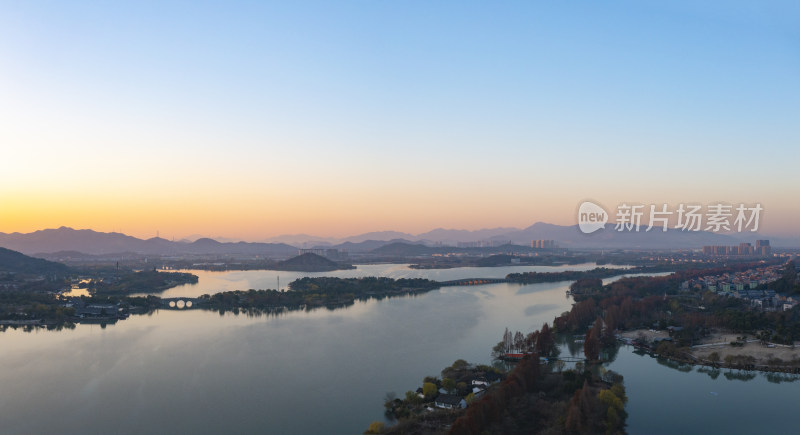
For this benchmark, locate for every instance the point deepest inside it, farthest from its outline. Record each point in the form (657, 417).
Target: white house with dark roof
(449, 401)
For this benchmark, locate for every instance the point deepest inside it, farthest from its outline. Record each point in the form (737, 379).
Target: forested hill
(310, 263)
(13, 261)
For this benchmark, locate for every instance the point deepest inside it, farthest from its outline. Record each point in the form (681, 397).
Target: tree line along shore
(35, 298)
(525, 403)
(45, 305)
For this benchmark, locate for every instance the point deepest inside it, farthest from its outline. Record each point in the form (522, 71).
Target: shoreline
(756, 356)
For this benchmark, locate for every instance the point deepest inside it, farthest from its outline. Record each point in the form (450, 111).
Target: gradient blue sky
(252, 119)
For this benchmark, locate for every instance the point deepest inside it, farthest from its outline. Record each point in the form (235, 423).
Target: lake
(669, 398)
(215, 282)
(325, 370)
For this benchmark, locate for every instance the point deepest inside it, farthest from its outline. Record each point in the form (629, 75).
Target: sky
(253, 119)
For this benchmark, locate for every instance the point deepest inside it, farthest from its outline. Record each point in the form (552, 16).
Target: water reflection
(712, 372)
(777, 378)
(538, 309)
(215, 282)
(610, 354)
(326, 370)
(739, 375)
(280, 372)
(573, 344)
(666, 399)
(675, 365)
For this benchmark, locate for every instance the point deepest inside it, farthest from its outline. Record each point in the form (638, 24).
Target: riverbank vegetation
(532, 398)
(146, 281)
(523, 403)
(567, 275)
(643, 303)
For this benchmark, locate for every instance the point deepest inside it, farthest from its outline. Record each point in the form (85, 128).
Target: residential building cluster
(749, 279)
(744, 285)
(767, 300)
(449, 400)
(543, 244)
(762, 249)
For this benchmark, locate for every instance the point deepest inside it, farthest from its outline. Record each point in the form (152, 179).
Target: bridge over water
(565, 359)
(180, 303)
(472, 281)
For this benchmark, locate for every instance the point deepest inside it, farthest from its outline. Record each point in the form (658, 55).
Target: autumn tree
(448, 384)
(582, 411)
(413, 398)
(519, 341)
(429, 390)
(591, 345)
(607, 337)
(376, 427)
(614, 410)
(545, 341)
(470, 398)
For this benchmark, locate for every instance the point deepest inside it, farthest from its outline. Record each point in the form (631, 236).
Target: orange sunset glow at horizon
(258, 130)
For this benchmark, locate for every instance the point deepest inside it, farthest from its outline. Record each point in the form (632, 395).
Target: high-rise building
(746, 249)
(763, 248)
(543, 244)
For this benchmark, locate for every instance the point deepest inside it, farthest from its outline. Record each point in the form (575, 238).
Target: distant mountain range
(439, 235)
(68, 241)
(564, 236)
(92, 242)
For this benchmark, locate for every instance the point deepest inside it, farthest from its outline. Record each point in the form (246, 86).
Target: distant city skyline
(253, 120)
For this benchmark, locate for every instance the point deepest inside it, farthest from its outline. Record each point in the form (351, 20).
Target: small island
(145, 281)
(310, 262)
(306, 293)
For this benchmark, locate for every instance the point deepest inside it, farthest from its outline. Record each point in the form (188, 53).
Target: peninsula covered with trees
(145, 281)
(570, 275)
(316, 292)
(534, 397)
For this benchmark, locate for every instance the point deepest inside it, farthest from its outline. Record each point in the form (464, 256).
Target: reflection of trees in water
(575, 349)
(556, 352)
(740, 375)
(503, 365)
(609, 354)
(568, 341)
(777, 378)
(252, 312)
(679, 366)
(32, 328)
(712, 373)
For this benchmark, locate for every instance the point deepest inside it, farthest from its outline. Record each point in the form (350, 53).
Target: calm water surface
(214, 282)
(322, 371)
(666, 398)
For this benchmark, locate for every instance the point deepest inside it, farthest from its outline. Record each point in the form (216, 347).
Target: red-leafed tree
(591, 346)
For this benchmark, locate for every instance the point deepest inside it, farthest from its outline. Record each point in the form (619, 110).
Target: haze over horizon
(253, 120)
(65, 238)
